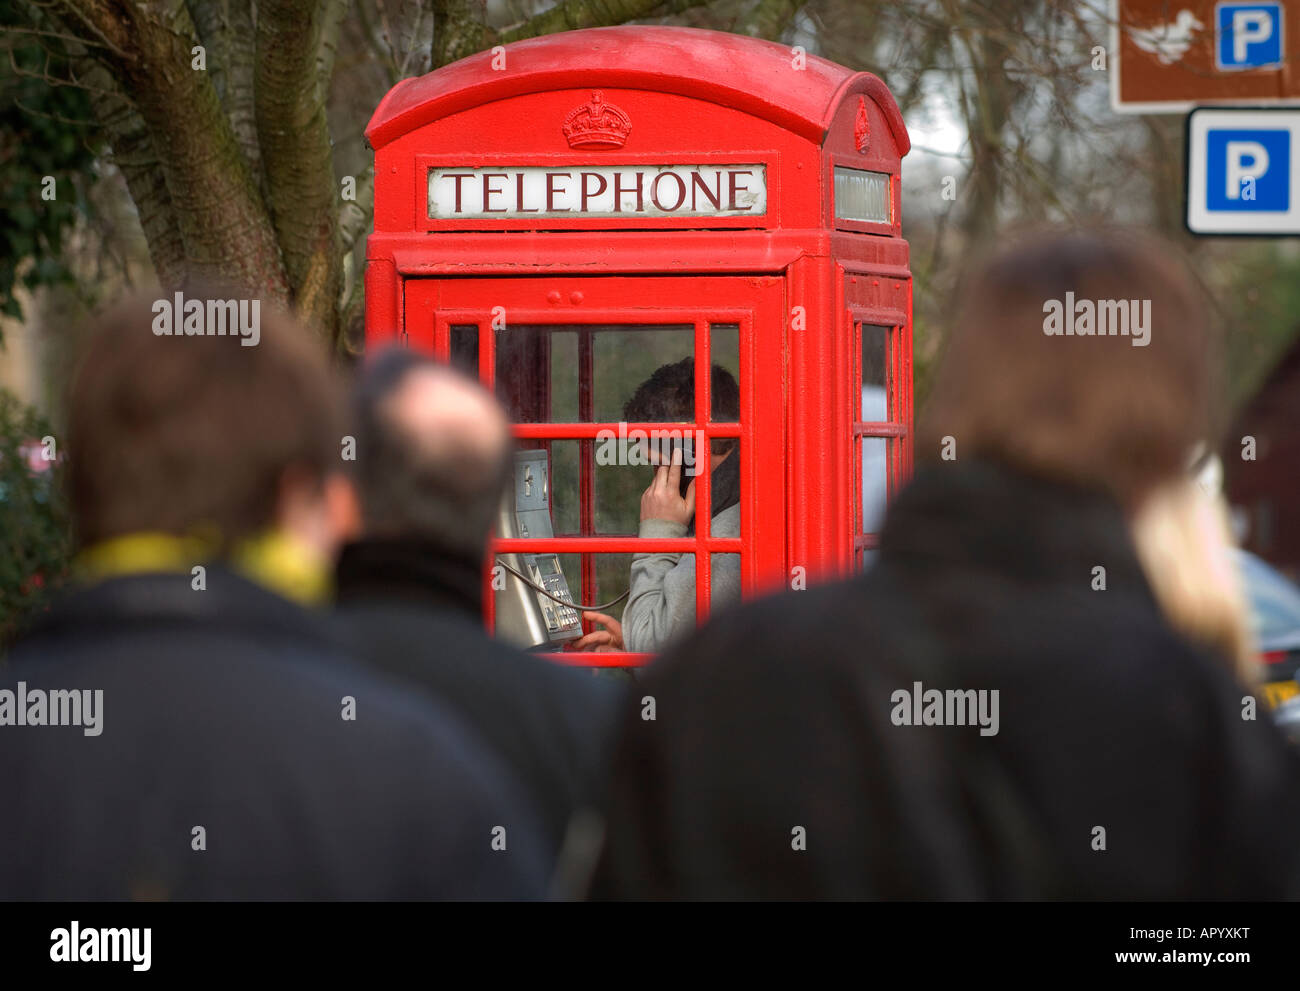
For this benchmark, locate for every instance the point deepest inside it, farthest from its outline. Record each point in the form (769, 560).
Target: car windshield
(1274, 605)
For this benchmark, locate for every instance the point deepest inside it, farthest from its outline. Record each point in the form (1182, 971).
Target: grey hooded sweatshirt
(661, 606)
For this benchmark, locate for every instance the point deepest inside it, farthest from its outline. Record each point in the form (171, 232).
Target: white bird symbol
(1168, 42)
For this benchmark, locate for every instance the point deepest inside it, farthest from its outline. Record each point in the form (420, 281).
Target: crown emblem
(861, 127)
(596, 124)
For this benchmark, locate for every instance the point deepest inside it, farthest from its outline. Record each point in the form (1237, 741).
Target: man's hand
(610, 638)
(663, 500)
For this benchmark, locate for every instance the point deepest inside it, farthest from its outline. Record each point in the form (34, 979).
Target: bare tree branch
(570, 15)
(382, 52)
(770, 18)
(101, 20)
(134, 156)
(46, 77)
(988, 34)
(354, 217)
(15, 30)
(459, 29)
(329, 41)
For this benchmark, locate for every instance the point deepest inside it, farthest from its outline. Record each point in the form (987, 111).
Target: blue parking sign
(1248, 35)
(1248, 170)
(1243, 171)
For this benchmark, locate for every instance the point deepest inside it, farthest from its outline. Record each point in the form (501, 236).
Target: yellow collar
(285, 565)
(140, 553)
(274, 560)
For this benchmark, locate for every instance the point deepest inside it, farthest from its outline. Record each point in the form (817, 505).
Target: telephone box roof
(748, 74)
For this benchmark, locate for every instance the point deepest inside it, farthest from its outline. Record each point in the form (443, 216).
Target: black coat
(775, 728)
(224, 709)
(413, 612)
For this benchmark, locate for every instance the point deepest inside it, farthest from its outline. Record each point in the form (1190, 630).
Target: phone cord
(555, 598)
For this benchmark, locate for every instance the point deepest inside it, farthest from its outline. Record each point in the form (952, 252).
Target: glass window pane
(724, 347)
(523, 379)
(565, 518)
(564, 377)
(625, 358)
(724, 588)
(539, 368)
(875, 356)
(862, 195)
(617, 492)
(875, 481)
(725, 487)
(464, 348)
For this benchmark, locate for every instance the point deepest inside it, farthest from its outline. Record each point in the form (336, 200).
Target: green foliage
(35, 531)
(36, 141)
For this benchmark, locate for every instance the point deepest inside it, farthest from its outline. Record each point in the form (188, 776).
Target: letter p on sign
(1245, 160)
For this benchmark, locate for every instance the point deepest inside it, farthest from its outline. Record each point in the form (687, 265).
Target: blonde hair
(1184, 542)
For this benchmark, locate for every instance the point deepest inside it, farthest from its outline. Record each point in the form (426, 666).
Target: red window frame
(754, 303)
(897, 427)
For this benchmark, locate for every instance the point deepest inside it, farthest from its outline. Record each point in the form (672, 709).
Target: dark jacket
(1122, 766)
(413, 611)
(223, 709)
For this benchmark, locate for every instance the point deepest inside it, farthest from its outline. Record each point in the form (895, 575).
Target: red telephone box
(562, 215)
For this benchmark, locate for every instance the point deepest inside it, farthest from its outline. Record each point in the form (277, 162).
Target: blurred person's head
(1120, 412)
(668, 396)
(204, 436)
(433, 453)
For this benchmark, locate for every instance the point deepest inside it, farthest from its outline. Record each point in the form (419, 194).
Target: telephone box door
(566, 354)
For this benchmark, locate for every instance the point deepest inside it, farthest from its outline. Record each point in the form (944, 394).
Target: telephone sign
(1243, 172)
(599, 191)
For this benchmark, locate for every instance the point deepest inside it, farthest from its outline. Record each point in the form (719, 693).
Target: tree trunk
(293, 134)
(219, 211)
(226, 28)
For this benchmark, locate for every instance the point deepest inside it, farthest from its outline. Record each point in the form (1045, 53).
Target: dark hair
(445, 492)
(668, 396)
(180, 433)
(1091, 410)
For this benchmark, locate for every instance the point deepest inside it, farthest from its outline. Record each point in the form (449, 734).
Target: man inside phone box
(661, 604)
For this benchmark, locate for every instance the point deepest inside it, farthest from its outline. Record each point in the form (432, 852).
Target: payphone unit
(534, 606)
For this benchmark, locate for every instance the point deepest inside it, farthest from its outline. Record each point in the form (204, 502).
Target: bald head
(446, 417)
(433, 453)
